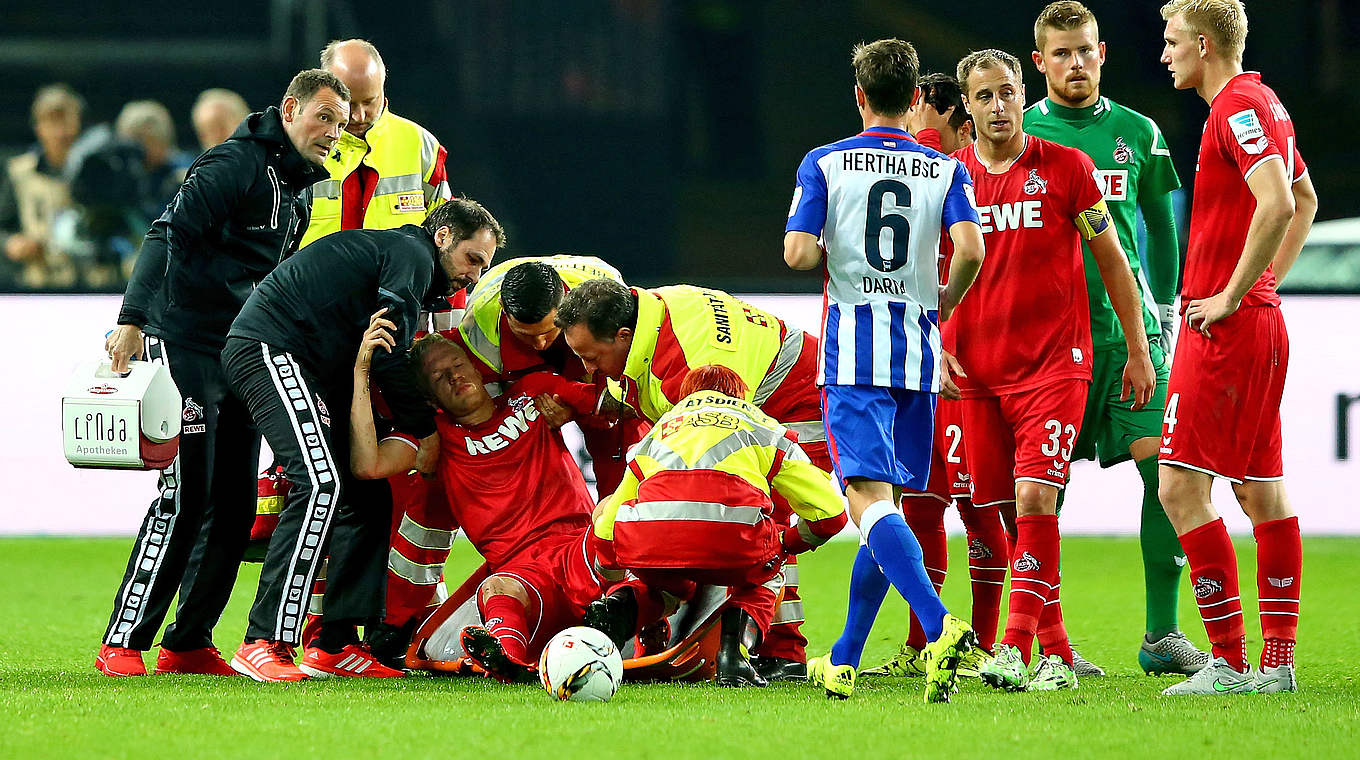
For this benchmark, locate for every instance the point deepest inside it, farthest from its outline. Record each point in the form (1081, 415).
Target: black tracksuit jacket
(242, 209)
(317, 304)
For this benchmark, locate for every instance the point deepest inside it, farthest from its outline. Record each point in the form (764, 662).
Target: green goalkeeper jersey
(1134, 167)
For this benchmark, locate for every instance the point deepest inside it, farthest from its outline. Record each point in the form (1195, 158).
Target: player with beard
(1024, 341)
(1136, 172)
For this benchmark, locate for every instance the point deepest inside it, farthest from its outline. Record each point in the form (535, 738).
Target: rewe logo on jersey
(1113, 183)
(1034, 184)
(1011, 216)
(510, 430)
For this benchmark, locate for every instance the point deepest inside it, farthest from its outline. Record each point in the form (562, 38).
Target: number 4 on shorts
(1170, 419)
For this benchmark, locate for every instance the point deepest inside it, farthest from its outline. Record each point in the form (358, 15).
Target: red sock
(1052, 633)
(1213, 575)
(503, 617)
(925, 517)
(988, 556)
(1279, 562)
(1034, 572)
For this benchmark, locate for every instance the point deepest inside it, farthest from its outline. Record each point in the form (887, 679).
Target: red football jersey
(1026, 321)
(1247, 127)
(510, 480)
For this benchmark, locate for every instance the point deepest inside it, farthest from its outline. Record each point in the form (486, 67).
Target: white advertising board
(45, 495)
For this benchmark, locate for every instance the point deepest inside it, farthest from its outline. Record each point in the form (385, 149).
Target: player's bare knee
(1263, 501)
(502, 585)
(1143, 448)
(1035, 498)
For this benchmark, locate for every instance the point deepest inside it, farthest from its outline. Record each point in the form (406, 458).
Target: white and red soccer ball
(580, 664)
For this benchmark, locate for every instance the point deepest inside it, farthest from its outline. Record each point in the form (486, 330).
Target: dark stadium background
(660, 135)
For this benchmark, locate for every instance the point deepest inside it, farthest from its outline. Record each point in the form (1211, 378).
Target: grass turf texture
(53, 703)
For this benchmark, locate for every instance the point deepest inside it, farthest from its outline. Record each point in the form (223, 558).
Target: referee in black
(242, 209)
(289, 357)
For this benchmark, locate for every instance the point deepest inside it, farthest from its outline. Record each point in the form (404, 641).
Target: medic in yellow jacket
(697, 492)
(393, 175)
(486, 323)
(698, 506)
(649, 339)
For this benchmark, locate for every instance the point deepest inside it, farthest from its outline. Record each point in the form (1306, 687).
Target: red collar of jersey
(889, 132)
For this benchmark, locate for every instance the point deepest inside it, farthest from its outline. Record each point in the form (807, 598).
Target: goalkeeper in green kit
(1135, 170)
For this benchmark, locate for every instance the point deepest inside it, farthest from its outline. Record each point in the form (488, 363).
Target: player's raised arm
(369, 459)
(1270, 222)
(1139, 376)
(1305, 208)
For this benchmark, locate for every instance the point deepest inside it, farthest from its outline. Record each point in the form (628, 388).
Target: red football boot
(265, 660)
(120, 661)
(206, 662)
(352, 661)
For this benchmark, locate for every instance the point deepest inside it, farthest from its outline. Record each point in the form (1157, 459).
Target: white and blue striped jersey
(879, 201)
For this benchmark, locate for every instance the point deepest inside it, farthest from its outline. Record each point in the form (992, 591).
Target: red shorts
(1022, 436)
(949, 477)
(559, 575)
(1223, 402)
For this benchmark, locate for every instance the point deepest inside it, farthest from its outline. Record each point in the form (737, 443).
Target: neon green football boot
(942, 657)
(907, 662)
(837, 680)
(1006, 670)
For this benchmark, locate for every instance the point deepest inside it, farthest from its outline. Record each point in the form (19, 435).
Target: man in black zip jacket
(289, 357)
(241, 210)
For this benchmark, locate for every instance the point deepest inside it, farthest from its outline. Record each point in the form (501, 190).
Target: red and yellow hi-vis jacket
(697, 491)
(680, 327)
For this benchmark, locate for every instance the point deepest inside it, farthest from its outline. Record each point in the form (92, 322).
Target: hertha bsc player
(1135, 170)
(1024, 340)
(877, 204)
(1253, 207)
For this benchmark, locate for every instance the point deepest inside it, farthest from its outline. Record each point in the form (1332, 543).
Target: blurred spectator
(121, 180)
(148, 124)
(33, 191)
(216, 114)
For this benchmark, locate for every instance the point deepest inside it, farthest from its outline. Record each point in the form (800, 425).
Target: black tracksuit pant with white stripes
(305, 420)
(196, 531)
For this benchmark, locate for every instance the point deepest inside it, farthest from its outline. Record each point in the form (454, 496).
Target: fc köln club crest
(1122, 153)
(1035, 184)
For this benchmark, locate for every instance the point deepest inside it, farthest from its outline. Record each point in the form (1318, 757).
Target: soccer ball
(580, 664)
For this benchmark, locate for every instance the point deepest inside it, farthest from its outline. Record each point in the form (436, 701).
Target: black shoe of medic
(615, 616)
(739, 636)
(485, 650)
(780, 669)
(388, 643)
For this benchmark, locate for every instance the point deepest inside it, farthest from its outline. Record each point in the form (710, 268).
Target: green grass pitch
(55, 599)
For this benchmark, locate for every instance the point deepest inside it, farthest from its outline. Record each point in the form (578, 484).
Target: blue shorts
(883, 434)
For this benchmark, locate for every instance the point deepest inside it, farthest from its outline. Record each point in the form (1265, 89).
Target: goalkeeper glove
(1166, 313)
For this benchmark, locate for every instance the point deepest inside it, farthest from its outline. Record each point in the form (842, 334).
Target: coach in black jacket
(290, 356)
(241, 210)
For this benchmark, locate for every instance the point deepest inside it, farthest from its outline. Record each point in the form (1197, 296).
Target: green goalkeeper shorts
(1109, 425)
